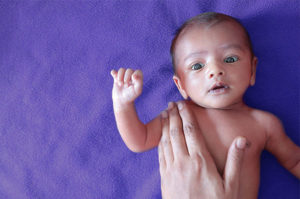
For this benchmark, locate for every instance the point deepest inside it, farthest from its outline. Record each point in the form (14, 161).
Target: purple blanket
(58, 137)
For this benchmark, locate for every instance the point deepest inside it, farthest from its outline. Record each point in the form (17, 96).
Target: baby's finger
(137, 75)
(137, 80)
(127, 77)
(113, 73)
(121, 74)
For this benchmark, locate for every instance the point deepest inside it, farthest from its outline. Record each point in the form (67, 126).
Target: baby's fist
(128, 85)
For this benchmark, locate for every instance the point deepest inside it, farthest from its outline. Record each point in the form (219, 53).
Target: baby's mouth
(218, 88)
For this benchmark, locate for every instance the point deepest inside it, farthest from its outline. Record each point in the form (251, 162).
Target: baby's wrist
(121, 105)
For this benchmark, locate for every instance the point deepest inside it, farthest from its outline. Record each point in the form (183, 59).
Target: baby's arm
(137, 136)
(282, 147)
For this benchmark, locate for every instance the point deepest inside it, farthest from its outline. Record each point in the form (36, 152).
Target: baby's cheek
(242, 77)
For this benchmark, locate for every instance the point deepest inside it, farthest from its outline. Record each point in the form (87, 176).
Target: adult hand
(186, 167)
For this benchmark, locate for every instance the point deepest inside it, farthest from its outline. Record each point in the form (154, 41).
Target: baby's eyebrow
(195, 53)
(234, 46)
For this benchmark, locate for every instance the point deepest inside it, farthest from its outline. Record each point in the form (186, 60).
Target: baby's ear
(253, 71)
(179, 86)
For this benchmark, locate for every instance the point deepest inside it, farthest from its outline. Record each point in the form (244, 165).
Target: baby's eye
(231, 59)
(197, 66)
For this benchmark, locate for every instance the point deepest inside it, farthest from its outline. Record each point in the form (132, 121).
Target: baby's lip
(218, 85)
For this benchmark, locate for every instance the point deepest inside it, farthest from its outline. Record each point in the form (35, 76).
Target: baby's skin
(214, 67)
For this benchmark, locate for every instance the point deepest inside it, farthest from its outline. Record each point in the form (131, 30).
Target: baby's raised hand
(128, 85)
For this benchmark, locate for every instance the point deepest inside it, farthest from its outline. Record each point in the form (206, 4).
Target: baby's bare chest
(220, 129)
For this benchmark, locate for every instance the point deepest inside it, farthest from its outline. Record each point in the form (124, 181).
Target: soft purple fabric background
(58, 137)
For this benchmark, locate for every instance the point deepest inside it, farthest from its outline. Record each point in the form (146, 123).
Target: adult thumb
(233, 166)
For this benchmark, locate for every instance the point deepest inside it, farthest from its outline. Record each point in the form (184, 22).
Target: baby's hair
(208, 19)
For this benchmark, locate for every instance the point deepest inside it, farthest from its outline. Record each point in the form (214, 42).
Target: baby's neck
(240, 106)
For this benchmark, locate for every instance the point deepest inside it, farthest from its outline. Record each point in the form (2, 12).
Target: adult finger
(234, 164)
(165, 142)
(176, 132)
(161, 158)
(193, 136)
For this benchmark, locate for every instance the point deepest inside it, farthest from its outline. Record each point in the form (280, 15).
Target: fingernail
(134, 76)
(112, 73)
(241, 143)
(170, 105)
(180, 105)
(164, 114)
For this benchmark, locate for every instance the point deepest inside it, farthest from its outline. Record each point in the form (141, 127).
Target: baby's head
(213, 60)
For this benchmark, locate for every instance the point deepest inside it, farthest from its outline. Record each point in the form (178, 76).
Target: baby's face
(214, 65)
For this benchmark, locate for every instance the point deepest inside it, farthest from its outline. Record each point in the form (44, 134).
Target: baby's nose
(220, 73)
(216, 71)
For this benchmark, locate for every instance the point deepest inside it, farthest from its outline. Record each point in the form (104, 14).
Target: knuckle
(174, 132)
(190, 128)
(180, 166)
(197, 163)
(164, 140)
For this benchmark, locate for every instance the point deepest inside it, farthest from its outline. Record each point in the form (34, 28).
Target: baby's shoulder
(263, 116)
(266, 119)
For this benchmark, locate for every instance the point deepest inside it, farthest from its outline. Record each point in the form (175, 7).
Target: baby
(214, 65)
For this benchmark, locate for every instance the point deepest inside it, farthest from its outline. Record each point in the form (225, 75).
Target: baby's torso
(220, 127)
